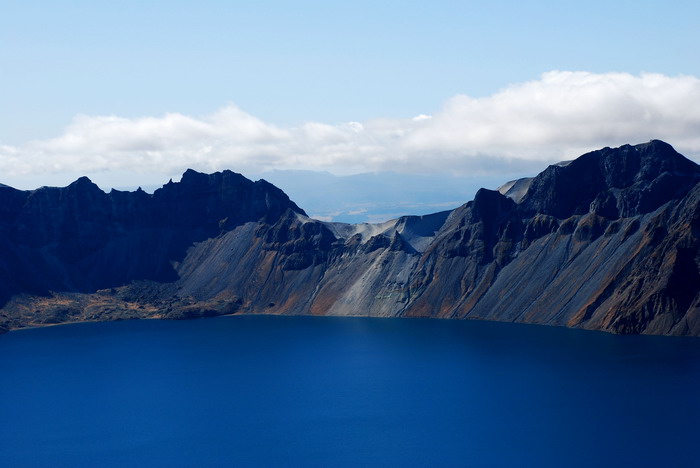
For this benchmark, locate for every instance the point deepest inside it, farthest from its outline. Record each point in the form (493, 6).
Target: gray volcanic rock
(609, 241)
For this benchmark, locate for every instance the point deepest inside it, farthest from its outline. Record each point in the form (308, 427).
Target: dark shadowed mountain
(609, 241)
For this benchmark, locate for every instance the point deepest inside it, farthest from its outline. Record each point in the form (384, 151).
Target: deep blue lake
(316, 391)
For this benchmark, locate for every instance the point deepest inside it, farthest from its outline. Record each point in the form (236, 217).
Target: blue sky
(281, 65)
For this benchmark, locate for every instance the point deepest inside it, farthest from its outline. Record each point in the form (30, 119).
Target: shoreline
(269, 314)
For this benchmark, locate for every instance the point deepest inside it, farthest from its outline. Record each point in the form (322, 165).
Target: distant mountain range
(377, 196)
(609, 241)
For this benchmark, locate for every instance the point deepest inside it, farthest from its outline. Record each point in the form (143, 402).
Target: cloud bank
(558, 116)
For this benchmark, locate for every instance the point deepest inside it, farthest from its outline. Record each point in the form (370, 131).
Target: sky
(133, 93)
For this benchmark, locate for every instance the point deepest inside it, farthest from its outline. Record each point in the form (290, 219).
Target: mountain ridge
(607, 242)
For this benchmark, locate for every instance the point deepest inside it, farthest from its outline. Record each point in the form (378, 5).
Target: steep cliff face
(80, 239)
(609, 241)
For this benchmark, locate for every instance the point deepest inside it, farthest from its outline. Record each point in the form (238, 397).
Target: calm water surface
(290, 391)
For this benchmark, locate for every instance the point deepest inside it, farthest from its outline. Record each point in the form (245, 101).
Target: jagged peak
(486, 199)
(193, 174)
(84, 183)
(190, 176)
(650, 174)
(202, 181)
(84, 180)
(656, 145)
(189, 172)
(649, 159)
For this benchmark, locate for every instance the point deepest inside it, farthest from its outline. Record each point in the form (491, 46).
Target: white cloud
(558, 116)
(357, 212)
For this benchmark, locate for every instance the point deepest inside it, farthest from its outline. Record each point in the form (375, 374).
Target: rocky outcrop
(609, 241)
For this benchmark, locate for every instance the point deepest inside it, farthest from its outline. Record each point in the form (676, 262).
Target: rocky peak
(83, 182)
(612, 182)
(488, 206)
(222, 199)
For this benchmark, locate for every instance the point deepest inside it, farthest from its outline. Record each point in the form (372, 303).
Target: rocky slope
(609, 241)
